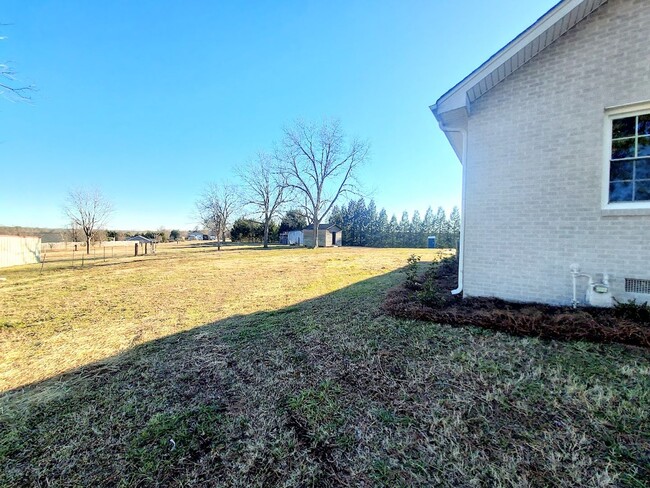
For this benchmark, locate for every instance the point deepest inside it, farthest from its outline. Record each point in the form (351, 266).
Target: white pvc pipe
(575, 274)
(461, 250)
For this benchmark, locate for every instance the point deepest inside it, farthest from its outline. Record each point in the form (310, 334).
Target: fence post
(104, 254)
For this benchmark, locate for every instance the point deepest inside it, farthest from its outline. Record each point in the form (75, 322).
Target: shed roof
(322, 227)
(452, 108)
(139, 238)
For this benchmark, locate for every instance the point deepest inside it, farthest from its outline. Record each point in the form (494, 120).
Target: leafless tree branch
(9, 86)
(318, 163)
(87, 210)
(216, 208)
(265, 189)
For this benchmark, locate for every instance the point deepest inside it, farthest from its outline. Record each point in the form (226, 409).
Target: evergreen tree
(294, 219)
(382, 229)
(440, 228)
(428, 222)
(404, 227)
(393, 227)
(416, 231)
(454, 226)
(372, 225)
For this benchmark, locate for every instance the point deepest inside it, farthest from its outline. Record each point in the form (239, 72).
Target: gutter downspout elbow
(463, 161)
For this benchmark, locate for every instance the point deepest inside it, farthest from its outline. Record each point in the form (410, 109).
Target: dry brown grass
(65, 318)
(308, 383)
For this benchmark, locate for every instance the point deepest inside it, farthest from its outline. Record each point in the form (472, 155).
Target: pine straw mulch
(522, 319)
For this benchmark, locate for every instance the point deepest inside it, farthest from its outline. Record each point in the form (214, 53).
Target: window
(627, 181)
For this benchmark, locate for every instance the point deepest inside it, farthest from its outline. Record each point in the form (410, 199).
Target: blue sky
(150, 100)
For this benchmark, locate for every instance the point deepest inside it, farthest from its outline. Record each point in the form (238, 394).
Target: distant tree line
(363, 225)
(247, 230)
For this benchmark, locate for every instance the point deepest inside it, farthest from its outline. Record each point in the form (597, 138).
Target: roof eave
(524, 47)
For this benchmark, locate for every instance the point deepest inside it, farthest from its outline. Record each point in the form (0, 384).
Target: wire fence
(75, 255)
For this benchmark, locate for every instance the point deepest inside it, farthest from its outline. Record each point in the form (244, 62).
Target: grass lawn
(276, 368)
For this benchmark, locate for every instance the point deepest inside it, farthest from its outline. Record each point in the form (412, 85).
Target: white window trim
(612, 113)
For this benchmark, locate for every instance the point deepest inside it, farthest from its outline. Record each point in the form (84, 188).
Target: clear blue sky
(149, 100)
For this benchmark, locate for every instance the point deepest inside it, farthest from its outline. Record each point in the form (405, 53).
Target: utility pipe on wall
(461, 250)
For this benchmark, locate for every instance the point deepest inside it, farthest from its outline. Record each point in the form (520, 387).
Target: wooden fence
(15, 250)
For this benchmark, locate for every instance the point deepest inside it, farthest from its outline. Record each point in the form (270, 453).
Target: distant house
(328, 235)
(195, 236)
(553, 132)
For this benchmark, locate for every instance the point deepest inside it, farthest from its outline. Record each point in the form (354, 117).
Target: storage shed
(145, 244)
(291, 238)
(328, 235)
(16, 250)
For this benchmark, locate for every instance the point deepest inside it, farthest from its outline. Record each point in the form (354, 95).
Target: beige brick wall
(535, 165)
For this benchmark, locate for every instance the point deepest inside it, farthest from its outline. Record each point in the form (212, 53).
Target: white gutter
(463, 161)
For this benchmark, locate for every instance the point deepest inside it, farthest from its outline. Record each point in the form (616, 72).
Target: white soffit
(518, 52)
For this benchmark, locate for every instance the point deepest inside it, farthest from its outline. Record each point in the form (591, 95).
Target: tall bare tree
(321, 165)
(72, 232)
(265, 189)
(88, 210)
(9, 86)
(216, 208)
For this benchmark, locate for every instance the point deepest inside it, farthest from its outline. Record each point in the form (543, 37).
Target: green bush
(412, 271)
(430, 294)
(631, 310)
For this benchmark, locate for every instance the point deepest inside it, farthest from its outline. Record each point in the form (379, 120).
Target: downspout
(463, 162)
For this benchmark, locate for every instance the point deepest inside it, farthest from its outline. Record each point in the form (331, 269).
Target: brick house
(553, 133)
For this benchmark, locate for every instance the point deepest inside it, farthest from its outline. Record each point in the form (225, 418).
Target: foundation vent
(633, 285)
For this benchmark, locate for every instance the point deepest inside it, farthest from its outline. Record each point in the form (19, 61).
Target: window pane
(642, 190)
(644, 124)
(644, 146)
(624, 127)
(621, 170)
(620, 191)
(623, 149)
(642, 169)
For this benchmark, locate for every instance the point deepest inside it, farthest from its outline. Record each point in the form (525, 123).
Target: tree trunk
(266, 234)
(87, 244)
(316, 225)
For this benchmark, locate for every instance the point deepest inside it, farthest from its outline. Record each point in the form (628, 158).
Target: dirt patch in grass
(427, 298)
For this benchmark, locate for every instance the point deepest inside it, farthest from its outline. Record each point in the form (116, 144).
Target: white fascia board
(457, 96)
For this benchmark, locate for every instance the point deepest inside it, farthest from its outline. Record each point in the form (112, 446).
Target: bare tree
(88, 210)
(72, 231)
(321, 165)
(216, 208)
(265, 189)
(9, 87)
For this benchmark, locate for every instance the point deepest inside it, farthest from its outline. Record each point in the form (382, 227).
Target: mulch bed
(610, 325)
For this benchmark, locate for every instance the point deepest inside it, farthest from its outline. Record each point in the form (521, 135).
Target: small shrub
(631, 310)
(430, 293)
(412, 271)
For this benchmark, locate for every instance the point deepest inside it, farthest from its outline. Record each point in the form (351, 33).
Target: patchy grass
(299, 379)
(65, 318)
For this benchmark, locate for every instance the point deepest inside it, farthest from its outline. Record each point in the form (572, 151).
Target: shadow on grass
(147, 412)
(331, 392)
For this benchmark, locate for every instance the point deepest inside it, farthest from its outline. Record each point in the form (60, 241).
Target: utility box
(431, 242)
